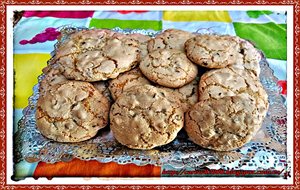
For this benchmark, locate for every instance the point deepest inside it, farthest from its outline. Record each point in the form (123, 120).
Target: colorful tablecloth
(37, 31)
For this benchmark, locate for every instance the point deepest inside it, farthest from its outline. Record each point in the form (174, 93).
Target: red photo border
(3, 93)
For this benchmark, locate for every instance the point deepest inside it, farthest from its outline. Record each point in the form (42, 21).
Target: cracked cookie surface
(125, 81)
(71, 111)
(145, 117)
(169, 68)
(170, 39)
(140, 38)
(223, 124)
(53, 76)
(219, 83)
(213, 51)
(82, 41)
(114, 55)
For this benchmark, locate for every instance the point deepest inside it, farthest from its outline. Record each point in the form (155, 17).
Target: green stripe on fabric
(256, 14)
(269, 37)
(124, 24)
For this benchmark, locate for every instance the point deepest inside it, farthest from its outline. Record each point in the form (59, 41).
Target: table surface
(33, 44)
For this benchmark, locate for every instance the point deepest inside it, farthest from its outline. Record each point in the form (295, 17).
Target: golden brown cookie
(223, 124)
(170, 39)
(219, 83)
(83, 41)
(125, 81)
(115, 55)
(169, 68)
(71, 111)
(214, 51)
(145, 117)
(140, 38)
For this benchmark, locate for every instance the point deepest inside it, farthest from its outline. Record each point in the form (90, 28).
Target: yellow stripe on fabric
(217, 16)
(27, 67)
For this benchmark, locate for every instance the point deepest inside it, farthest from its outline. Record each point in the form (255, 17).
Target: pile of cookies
(148, 89)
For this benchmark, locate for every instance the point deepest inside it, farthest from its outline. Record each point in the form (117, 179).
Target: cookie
(169, 68)
(219, 83)
(213, 51)
(125, 81)
(116, 55)
(71, 111)
(145, 117)
(170, 39)
(82, 41)
(140, 38)
(187, 94)
(223, 124)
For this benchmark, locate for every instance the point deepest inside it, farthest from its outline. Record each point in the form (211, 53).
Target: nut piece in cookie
(115, 56)
(223, 124)
(213, 51)
(71, 111)
(145, 117)
(169, 68)
(125, 81)
(170, 39)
